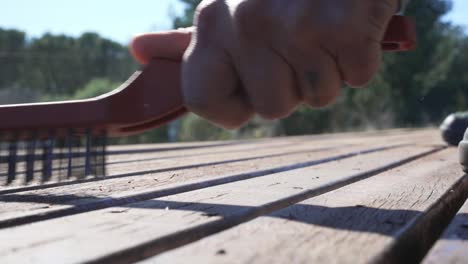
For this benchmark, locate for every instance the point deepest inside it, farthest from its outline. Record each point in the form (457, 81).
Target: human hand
(268, 57)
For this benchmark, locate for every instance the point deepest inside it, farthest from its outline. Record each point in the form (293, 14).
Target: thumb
(164, 45)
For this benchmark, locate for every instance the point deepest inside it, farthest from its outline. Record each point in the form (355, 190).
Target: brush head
(52, 158)
(57, 141)
(67, 140)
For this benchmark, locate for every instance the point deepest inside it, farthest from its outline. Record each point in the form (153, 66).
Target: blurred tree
(52, 65)
(414, 76)
(194, 128)
(186, 20)
(95, 87)
(58, 64)
(12, 45)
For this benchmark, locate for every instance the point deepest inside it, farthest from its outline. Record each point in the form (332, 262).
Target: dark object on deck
(454, 127)
(61, 140)
(463, 146)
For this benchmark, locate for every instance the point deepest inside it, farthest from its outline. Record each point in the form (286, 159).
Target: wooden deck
(379, 197)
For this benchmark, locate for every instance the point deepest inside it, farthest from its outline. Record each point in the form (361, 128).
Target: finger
(168, 45)
(269, 82)
(319, 79)
(359, 62)
(211, 88)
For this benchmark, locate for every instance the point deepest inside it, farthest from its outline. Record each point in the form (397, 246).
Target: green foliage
(153, 136)
(12, 45)
(59, 64)
(415, 77)
(195, 128)
(95, 88)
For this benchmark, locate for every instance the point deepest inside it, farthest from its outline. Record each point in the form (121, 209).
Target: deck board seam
(190, 235)
(132, 174)
(112, 202)
(416, 239)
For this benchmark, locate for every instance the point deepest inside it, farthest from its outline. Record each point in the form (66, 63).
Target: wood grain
(351, 225)
(131, 156)
(453, 245)
(138, 230)
(185, 174)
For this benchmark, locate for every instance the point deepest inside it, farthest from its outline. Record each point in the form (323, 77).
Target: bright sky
(115, 19)
(459, 14)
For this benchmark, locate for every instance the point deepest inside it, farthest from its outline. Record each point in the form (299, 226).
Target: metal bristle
(88, 153)
(30, 158)
(69, 149)
(47, 159)
(53, 158)
(101, 145)
(3, 160)
(77, 155)
(12, 156)
(95, 153)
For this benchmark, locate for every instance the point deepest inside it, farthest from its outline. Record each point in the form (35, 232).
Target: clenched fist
(268, 56)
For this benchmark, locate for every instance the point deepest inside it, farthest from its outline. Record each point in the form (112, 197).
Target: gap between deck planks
(354, 224)
(26, 207)
(137, 230)
(452, 247)
(155, 153)
(151, 153)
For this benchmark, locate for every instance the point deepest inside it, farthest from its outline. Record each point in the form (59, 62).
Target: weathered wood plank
(138, 162)
(26, 207)
(453, 245)
(124, 159)
(90, 197)
(350, 225)
(134, 163)
(146, 228)
(131, 158)
(175, 151)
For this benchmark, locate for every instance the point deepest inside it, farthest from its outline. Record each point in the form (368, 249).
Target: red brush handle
(400, 35)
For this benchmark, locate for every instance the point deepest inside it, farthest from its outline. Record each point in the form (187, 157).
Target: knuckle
(213, 27)
(253, 21)
(246, 12)
(206, 13)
